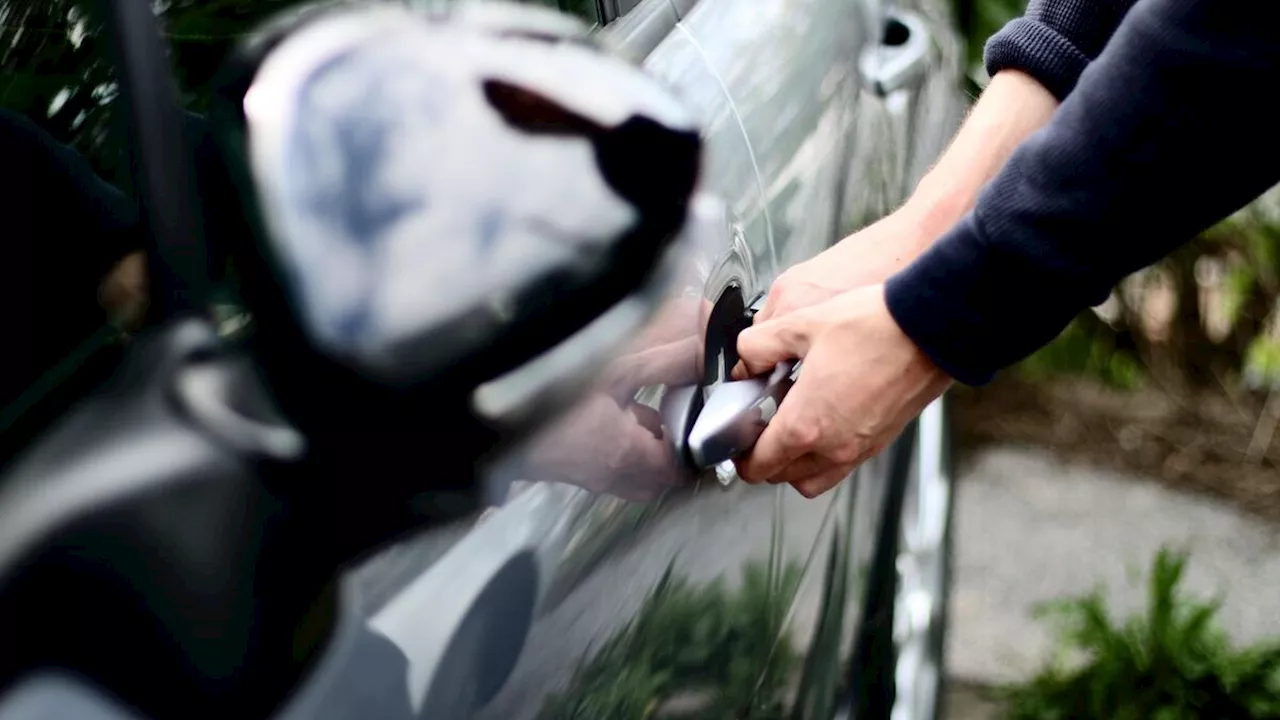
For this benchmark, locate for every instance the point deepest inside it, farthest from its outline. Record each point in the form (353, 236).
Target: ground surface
(1064, 487)
(1031, 528)
(969, 701)
(1200, 442)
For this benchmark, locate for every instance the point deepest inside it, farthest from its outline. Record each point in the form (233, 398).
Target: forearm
(1143, 154)
(1034, 63)
(1013, 106)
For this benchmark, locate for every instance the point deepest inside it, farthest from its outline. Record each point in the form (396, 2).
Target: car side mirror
(437, 207)
(442, 204)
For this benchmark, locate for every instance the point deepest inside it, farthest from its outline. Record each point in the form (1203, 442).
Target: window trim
(641, 28)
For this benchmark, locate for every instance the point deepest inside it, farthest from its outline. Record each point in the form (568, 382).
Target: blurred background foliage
(56, 68)
(57, 65)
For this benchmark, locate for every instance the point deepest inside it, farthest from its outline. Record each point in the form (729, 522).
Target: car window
(72, 255)
(625, 6)
(587, 10)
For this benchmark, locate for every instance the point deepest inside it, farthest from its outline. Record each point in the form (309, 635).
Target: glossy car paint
(497, 617)
(595, 531)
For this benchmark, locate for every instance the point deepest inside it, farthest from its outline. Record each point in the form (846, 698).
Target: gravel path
(1032, 528)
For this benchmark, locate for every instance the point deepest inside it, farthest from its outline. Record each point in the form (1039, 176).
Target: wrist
(937, 206)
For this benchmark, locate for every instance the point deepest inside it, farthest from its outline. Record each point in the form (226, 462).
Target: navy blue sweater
(1166, 126)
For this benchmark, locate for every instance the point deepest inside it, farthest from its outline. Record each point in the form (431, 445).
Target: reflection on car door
(679, 600)
(790, 70)
(647, 593)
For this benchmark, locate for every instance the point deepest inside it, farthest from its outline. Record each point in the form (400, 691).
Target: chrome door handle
(736, 414)
(901, 56)
(710, 425)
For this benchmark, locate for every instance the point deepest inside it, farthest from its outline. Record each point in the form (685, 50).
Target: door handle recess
(901, 56)
(736, 413)
(713, 424)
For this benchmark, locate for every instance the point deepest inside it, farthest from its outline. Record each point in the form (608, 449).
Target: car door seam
(751, 153)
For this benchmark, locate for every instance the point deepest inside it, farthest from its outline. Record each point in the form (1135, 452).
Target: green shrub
(1085, 349)
(1170, 663)
(1262, 362)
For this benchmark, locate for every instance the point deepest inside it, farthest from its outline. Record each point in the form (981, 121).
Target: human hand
(867, 257)
(606, 447)
(123, 292)
(667, 352)
(612, 444)
(863, 381)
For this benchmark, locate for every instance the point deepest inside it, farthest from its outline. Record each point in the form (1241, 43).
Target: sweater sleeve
(1169, 131)
(1055, 40)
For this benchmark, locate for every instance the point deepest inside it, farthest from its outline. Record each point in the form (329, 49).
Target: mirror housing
(438, 201)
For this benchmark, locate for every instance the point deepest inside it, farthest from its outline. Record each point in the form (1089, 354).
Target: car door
(601, 584)
(790, 69)
(845, 103)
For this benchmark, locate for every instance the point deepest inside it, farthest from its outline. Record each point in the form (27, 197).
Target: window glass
(626, 6)
(72, 243)
(585, 9)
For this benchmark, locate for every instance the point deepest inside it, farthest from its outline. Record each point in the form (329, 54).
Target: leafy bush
(1171, 663)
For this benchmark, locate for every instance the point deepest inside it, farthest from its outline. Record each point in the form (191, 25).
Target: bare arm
(1013, 106)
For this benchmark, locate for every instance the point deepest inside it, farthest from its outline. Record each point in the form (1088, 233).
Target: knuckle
(790, 334)
(800, 434)
(747, 471)
(848, 453)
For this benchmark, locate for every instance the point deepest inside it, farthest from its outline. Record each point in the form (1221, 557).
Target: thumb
(762, 346)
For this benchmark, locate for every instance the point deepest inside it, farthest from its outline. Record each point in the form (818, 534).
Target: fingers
(675, 363)
(815, 485)
(771, 302)
(679, 317)
(647, 418)
(783, 441)
(762, 346)
(802, 468)
(123, 291)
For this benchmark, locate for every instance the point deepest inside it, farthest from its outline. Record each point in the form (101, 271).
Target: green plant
(1262, 362)
(988, 16)
(709, 647)
(1170, 663)
(1085, 347)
